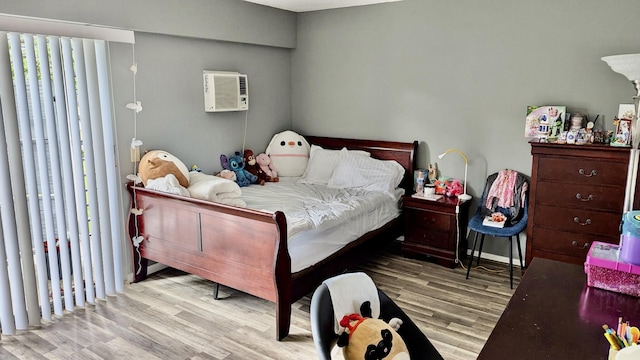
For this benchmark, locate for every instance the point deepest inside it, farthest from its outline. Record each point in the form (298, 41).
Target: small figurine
(433, 173)
(420, 182)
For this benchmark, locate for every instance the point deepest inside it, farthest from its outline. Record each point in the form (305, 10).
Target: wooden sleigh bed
(246, 249)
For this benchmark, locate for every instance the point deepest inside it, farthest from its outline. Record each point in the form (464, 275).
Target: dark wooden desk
(553, 314)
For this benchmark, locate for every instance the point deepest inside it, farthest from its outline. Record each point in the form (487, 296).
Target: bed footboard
(240, 248)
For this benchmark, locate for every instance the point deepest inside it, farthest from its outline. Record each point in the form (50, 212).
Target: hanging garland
(136, 107)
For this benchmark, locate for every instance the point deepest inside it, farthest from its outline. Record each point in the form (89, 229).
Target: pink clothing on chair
(503, 188)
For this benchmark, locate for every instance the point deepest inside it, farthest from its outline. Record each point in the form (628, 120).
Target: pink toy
(267, 168)
(606, 271)
(454, 189)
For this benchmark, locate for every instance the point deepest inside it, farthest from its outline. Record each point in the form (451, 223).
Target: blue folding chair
(510, 229)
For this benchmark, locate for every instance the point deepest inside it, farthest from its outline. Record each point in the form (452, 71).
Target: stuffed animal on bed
(235, 163)
(227, 174)
(266, 170)
(159, 170)
(289, 153)
(366, 338)
(251, 166)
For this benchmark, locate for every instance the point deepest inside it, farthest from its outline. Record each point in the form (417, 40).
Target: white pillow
(322, 163)
(367, 173)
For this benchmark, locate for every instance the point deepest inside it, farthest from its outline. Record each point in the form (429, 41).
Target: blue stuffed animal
(235, 163)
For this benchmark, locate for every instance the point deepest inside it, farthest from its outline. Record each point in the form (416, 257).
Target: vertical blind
(59, 206)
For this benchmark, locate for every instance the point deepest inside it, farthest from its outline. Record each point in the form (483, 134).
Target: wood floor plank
(172, 315)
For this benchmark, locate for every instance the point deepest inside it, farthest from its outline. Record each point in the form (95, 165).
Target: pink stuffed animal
(455, 188)
(266, 167)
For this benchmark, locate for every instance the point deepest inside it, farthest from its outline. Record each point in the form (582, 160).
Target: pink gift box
(605, 270)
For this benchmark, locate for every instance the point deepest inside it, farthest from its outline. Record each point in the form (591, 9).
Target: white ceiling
(312, 5)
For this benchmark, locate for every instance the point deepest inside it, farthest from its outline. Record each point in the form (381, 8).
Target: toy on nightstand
(454, 189)
(433, 173)
(441, 185)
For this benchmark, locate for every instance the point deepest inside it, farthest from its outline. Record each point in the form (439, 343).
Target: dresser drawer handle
(426, 219)
(585, 246)
(428, 238)
(586, 222)
(579, 197)
(592, 173)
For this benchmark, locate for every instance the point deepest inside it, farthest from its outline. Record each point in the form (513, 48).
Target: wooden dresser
(576, 197)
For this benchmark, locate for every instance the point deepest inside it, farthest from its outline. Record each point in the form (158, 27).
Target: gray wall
(459, 74)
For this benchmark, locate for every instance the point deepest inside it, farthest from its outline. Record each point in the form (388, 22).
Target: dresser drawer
(428, 220)
(577, 220)
(566, 243)
(583, 171)
(583, 196)
(428, 237)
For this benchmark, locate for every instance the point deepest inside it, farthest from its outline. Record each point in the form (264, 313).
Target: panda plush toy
(366, 338)
(289, 153)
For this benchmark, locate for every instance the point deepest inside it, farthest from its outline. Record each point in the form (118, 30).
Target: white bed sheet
(321, 220)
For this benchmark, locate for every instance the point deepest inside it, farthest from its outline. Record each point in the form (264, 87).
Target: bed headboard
(402, 152)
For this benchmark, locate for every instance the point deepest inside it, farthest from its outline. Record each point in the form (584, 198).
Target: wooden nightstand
(430, 229)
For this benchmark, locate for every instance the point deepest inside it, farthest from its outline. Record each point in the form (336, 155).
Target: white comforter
(313, 207)
(321, 220)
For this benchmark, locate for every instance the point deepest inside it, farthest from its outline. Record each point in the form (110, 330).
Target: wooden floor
(172, 315)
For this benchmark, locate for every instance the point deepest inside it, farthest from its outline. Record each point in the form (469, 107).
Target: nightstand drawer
(428, 220)
(583, 171)
(583, 196)
(429, 237)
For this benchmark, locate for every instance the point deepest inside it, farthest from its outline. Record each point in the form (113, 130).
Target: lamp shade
(627, 65)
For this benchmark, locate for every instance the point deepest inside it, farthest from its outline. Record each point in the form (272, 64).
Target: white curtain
(62, 229)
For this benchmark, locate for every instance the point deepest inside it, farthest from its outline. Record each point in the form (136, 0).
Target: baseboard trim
(496, 258)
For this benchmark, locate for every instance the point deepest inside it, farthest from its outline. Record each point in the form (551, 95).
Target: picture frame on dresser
(622, 134)
(626, 111)
(551, 117)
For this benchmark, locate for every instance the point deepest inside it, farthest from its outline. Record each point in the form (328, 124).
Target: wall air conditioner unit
(225, 91)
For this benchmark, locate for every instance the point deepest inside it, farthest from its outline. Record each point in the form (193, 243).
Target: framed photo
(419, 179)
(626, 111)
(622, 136)
(544, 122)
(576, 122)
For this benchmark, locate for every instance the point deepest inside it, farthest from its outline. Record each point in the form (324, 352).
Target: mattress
(321, 220)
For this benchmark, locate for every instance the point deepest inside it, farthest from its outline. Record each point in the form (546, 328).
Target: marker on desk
(618, 339)
(619, 329)
(610, 334)
(612, 342)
